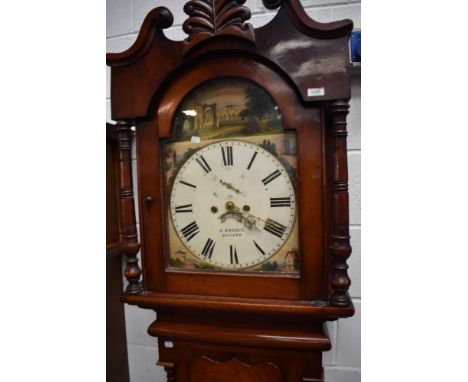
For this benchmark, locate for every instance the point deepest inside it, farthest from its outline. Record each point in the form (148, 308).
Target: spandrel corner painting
(231, 176)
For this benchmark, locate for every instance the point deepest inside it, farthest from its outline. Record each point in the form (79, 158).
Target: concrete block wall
(343, 362)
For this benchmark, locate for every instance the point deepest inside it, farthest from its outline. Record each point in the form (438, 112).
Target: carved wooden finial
(209, 18)
(272, 4)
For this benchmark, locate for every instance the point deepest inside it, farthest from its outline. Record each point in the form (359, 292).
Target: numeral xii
(228, 158)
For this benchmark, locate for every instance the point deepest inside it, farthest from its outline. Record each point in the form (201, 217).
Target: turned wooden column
(340, 247)
(169, 368)
(130, 245)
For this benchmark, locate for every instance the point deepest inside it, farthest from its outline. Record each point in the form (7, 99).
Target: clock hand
(248, 219)
(230, 186)
(250, 222)
(231, 206)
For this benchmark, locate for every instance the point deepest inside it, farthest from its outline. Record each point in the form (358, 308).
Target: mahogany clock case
(304, 66)
(238, 324)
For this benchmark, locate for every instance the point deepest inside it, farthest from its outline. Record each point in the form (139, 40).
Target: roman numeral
(187, 184)
(274, 228)
(259, 248)
(202, 162)
(271, 177)
(190, 231)
(252, 160)
(208, 248)
(233, 253)
(280, 202)
(184, 208)
(227, 155)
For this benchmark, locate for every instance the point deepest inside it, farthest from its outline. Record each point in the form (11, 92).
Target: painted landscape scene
(225, 108)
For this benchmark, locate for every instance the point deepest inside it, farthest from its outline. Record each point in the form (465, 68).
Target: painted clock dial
(231, 175)
(233, 204)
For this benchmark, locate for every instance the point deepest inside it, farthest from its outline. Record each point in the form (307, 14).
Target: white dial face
(233, 204)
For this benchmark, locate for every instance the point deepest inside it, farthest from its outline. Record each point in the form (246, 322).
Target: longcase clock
(242, 188)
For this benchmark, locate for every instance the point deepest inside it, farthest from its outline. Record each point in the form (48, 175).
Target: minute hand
(249, 219)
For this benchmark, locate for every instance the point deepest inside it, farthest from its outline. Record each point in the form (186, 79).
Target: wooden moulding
(155, 22)
(309, 26)
(318, 310)
(254, 336)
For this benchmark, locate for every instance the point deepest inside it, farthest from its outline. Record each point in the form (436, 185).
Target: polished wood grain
(207, 370)
(307, 25)
(151, 30)
(215, 324)
(116, 338)
(317, 309)
(293, 365)
(301, 337)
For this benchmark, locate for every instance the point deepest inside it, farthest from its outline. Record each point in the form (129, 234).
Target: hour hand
(230, 186)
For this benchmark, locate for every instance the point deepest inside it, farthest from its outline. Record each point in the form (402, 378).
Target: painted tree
(257, 103)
